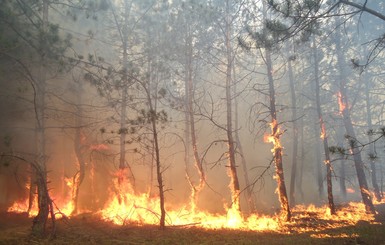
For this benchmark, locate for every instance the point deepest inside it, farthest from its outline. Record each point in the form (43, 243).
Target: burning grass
(309, 226)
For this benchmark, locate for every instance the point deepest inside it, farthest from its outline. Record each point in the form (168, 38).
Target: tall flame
(126, 207)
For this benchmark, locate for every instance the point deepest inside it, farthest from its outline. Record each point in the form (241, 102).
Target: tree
(323, 135)
(41, 39)
(345, 108)
(294, 119)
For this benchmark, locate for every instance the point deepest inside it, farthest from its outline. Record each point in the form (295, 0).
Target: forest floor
(89, 229)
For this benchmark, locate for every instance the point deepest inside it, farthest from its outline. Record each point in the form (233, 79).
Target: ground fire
(141, 209)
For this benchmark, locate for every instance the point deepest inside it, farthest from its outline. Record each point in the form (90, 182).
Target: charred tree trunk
(295, 133)
(277, 150)
(323, 134)
(234, 185)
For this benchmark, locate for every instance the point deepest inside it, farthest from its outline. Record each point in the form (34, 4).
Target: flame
(21, 206)
(127, 207)
(141, 209)
(341, 103)
(274, 137)
(62, 206)
(323, 131)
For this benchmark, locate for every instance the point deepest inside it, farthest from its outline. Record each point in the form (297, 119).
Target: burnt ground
(89, 229)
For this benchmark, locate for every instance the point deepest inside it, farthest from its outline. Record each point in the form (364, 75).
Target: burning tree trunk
(275, 139)
(372, 154)
(234, 185)
(323, 133)
(345, 111)
(295, 131)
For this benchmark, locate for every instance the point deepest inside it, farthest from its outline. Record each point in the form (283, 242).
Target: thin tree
(323, 135)
(234, 185)
(372, 152)
(294, 119)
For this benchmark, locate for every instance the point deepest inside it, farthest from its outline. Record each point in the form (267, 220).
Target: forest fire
(125, 207)
(64, 207)
(141, 209)
(138, 121)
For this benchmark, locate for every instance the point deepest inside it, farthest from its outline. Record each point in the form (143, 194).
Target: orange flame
(273, 137)
(341, 103)
(63, 206)
(126, 207)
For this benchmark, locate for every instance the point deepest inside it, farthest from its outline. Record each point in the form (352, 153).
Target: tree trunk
(295, 134)
(341, 171)
(249, 192)
(372, 154)
(234, 185)
(39, 222)
(277, 150)
(158, 165)
(124, 168)
(317, 133)
(32, 189)
(345, 111)
(323, 134)
(79, 176)
(189, 97)
(366, 198)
